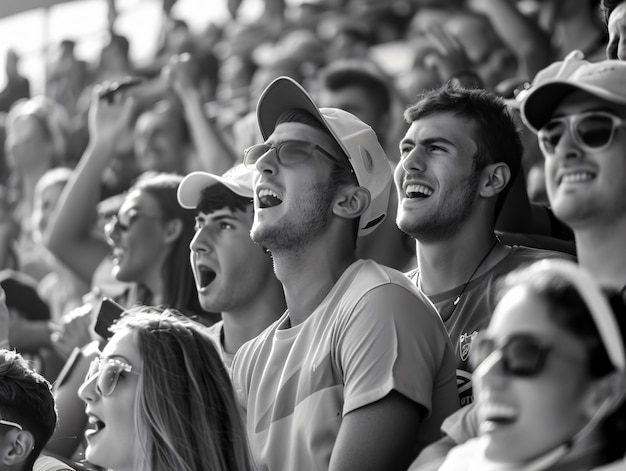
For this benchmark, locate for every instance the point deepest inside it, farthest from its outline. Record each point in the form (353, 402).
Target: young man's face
(616, 48)
(586, 186)
(293, 202)
(435, 178)
(229, 269)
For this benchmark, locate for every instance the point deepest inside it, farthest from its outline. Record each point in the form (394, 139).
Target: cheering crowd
(349, 235)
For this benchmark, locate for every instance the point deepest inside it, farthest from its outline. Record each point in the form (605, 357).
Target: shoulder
(48, 463)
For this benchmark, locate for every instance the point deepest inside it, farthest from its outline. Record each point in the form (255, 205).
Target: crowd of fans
(349, 234)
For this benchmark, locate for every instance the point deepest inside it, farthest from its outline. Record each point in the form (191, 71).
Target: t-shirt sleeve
(462, 425)
(392, 340)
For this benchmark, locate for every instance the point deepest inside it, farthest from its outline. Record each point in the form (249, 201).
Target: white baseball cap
(605, 80)
(357, 139)
(237, 179)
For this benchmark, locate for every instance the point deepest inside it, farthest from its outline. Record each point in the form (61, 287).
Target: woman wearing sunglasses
(551, 382)
(159, 398)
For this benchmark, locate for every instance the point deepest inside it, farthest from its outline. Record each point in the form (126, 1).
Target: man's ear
(351, 201)
(605, 395)
(493, 179)
(16, 447)
(173, 229)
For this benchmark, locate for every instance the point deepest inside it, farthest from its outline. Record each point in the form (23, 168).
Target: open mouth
(268, 199)
(206, 276)
(418, 191)
(577, 177)
(95, 424)
(497, 415)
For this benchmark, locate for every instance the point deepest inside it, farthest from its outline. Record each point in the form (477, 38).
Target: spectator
(551, 378)
(457, 161)
(160, 397)
(17, 85)
(27, 410)
(323, 376)
(233, 275)
(36, 141)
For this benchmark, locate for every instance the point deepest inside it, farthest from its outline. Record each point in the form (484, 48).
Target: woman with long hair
(159, 398)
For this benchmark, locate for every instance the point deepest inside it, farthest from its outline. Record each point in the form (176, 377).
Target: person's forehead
(139, 199)
(123, 344)
(445, 125)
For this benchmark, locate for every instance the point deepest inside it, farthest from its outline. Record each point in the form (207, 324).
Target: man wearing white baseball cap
(578, 110)
(233, 275)
(358, 373)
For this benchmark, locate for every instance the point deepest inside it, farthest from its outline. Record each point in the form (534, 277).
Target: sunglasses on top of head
(591, 131)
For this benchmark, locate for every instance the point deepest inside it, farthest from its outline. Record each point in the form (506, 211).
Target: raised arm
(523, 36)
(214, 152)
(70, 233)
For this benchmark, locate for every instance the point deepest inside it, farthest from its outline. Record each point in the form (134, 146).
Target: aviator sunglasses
(289, 153)
(108, 372)
(591, 131)
(521, 355)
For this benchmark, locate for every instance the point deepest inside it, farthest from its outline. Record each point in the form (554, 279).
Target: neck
(248, 321)
(602, 251)
(306, 288)
(448, 264)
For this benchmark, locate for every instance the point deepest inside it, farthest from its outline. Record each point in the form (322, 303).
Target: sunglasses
(124, 221)
(108, 372)
(592, 131)
(289, 153)
(11, 424)
(521, 355)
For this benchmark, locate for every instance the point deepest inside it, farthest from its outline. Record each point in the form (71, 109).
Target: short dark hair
(218, 196)
(26, 398)
(349, 73)
(497, 136)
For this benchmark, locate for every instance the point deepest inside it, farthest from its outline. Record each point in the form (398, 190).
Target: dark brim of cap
(283, 94)
(539, 105)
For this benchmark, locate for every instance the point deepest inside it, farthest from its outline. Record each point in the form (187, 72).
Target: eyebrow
(428, 140)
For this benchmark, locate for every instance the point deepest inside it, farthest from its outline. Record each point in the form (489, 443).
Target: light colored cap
(594, 299)
(357, 139)
(237, 179)
(605, 80)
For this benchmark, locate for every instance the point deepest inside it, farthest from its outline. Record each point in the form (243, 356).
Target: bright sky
(84, 21)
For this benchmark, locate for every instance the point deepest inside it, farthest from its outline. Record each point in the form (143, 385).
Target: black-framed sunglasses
(124, 221)
(108, 372)
(591, 131)
(522, 355)
(290, 153)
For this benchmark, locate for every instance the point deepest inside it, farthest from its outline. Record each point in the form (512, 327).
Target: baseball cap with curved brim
(357, 139)
(237, 179)
(605, 80)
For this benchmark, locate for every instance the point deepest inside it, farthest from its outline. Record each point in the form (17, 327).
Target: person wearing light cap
(358, 373)
(233, 275)
(578, 110)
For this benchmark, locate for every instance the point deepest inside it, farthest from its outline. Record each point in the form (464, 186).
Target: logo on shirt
(465, 343)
